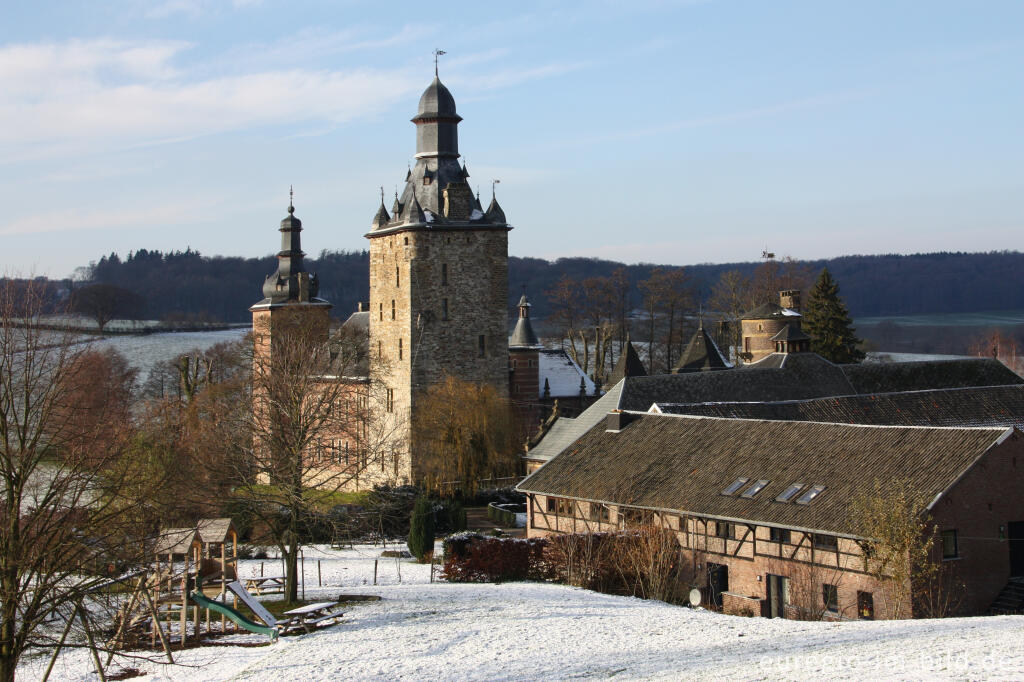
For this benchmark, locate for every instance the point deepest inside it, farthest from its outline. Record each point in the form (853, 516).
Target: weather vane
(291, 196)
(382, 195)
(493, 183)
(437, 53)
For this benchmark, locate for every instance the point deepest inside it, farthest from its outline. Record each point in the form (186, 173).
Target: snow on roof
(562, 374)
(790, 313)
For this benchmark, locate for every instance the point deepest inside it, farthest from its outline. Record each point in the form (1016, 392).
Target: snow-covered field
(527, 631)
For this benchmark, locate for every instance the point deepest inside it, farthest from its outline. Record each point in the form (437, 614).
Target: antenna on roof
(437, 53)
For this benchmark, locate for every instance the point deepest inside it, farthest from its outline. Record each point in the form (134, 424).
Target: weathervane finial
(382, 195)
(291, 198)
(437, 53)
(493, 183)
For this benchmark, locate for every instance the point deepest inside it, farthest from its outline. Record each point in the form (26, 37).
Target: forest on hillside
(189, 285)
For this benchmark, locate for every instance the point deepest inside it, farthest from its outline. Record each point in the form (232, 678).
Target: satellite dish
(695, 597)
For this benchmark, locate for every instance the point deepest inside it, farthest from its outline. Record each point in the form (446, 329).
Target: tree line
(187, 285)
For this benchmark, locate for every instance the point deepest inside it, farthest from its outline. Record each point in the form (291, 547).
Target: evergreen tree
(421, 529)
(827, 322)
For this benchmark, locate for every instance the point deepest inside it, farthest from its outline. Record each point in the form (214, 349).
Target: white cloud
(97, 91)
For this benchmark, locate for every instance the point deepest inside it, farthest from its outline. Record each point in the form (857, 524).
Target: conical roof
(494, 214)
(701, 354)
(791, 332)
(382, 217)
(523, 335)
(629, 365)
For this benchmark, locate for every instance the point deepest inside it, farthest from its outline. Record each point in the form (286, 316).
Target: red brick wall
(989, 497)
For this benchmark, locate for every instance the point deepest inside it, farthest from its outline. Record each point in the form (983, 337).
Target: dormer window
(427, 180)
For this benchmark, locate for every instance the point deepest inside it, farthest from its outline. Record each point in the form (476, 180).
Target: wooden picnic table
(309, 616)
(265, 584)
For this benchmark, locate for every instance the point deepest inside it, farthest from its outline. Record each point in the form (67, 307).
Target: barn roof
(684, 463)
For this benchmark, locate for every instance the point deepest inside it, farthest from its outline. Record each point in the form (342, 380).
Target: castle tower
(760, 327)
(524, 368)
(438, 275)
(290, 299)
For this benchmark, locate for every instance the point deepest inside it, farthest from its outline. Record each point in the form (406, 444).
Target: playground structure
(193, 577)
(193, 569)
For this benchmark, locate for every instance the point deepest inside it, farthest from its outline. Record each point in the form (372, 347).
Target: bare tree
(64, 479)
(667, 297)
(900, 549)
(314, 427)
(105, 302)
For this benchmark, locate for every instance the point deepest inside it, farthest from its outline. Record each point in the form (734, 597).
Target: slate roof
(523, 335)
(565, 431)
(984, 406)
(805, 375)
(683, 464)
(701, 355)
(769, 311)
(562, 374)
(628, 365)
(351, 344)
(870, 377)
(791, 332)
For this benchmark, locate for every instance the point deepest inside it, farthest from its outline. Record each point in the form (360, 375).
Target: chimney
(359, 307)
(790, 298)
(618, 420)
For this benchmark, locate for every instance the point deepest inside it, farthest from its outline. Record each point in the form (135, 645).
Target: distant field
(998, 318)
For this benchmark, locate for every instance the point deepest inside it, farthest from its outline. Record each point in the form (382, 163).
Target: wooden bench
(307, 617)
(265, 584)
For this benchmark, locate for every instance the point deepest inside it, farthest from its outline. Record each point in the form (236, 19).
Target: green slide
(235, 616)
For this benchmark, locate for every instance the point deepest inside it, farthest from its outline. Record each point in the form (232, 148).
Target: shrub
(471, 557)
(421, 529)
(456, 514)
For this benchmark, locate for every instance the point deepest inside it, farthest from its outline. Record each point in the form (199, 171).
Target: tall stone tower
(524, 369)
(438, 276)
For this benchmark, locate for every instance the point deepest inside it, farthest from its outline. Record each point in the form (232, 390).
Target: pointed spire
(523, 335)
(412, 212)
(701, 354)
(465, 171)
(629, 365)
(396, 208)
(547, 389)
(382, 218)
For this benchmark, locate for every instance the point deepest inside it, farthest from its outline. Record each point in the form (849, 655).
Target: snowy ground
(526, 631)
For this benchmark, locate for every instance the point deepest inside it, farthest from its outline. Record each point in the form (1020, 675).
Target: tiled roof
(565, 431)
(870, 377)
(976, 406)
(769, 311)
(701, 354)
(684, 463)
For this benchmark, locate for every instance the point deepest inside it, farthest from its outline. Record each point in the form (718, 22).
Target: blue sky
(651, 130)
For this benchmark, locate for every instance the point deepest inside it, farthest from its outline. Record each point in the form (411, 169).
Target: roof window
(735, 485)
(755, 489)
(789, 492)
(811, 494)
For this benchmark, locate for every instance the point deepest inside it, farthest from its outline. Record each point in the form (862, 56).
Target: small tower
(760, 326)
(524, 366)
(290, 298)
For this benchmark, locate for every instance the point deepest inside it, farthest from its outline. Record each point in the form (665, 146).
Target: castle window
(407, 241)
(392, 309)
(381, 312)
(482, 346)
(399, 349)
(513, 364)
(444, 308)
(390, 404)
(444, 274)
(380, 350)
(398, 281)
(427, 180)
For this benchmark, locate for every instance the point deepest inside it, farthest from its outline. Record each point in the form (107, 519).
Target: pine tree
(421, 529)
(827, 322)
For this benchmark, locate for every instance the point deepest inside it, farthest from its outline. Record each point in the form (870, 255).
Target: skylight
(789, 492)
(755, 489)
(734, 486)
(811, 494)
